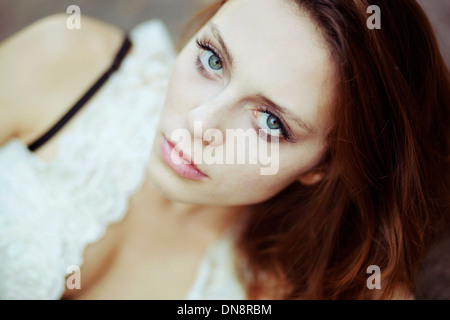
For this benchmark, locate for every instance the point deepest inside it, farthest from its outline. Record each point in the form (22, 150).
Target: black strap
(115, 66)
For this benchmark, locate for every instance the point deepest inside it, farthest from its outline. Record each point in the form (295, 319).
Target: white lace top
(49, 212)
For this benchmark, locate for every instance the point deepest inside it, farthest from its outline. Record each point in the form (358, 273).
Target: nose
(211, 116)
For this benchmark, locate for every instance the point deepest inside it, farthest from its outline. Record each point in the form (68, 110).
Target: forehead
(277, 50)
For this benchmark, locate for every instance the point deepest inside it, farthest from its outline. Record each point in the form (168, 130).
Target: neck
(206, 221)
(213, 220)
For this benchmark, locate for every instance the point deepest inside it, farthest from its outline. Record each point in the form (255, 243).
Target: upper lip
(185, 156)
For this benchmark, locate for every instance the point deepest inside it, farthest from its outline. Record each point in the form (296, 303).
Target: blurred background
(16, 14)
(434, 280)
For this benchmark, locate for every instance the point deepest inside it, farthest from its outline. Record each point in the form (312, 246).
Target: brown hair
(386, 195)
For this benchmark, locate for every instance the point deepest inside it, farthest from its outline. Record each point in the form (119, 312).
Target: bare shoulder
(46, 67)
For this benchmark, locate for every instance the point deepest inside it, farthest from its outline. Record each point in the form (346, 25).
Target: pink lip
(186, 168)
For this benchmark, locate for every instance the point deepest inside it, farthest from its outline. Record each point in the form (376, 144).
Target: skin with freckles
(255, 65)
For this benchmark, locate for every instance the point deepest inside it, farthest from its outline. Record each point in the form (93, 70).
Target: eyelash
(204, 44)
(285, 133)
(207, 46)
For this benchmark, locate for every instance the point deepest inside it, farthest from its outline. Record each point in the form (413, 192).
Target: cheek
(292, 164)
(301, 159)
(246, 186)
(257, 188)
(179, 86)
(186, 85)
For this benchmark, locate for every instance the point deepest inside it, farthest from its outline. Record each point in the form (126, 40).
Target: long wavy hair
(386, 196)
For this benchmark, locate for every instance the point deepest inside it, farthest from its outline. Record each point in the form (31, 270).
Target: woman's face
(258, 64)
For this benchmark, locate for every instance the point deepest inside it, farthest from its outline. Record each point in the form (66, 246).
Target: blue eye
(270, 123)
(209, 59)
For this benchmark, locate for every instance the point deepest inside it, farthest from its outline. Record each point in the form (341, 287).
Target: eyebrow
(286, 113)
(218, 35)
(283, 111)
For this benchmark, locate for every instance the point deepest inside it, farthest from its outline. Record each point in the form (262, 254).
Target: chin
(169, 187)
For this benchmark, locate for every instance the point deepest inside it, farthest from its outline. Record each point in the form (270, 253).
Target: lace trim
(216, 277)
(99, 165)
(108, 155)
(69, 203)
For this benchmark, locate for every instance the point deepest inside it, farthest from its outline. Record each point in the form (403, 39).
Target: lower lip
(183, 169)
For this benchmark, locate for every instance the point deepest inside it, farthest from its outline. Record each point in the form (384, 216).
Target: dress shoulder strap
(89, 94)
